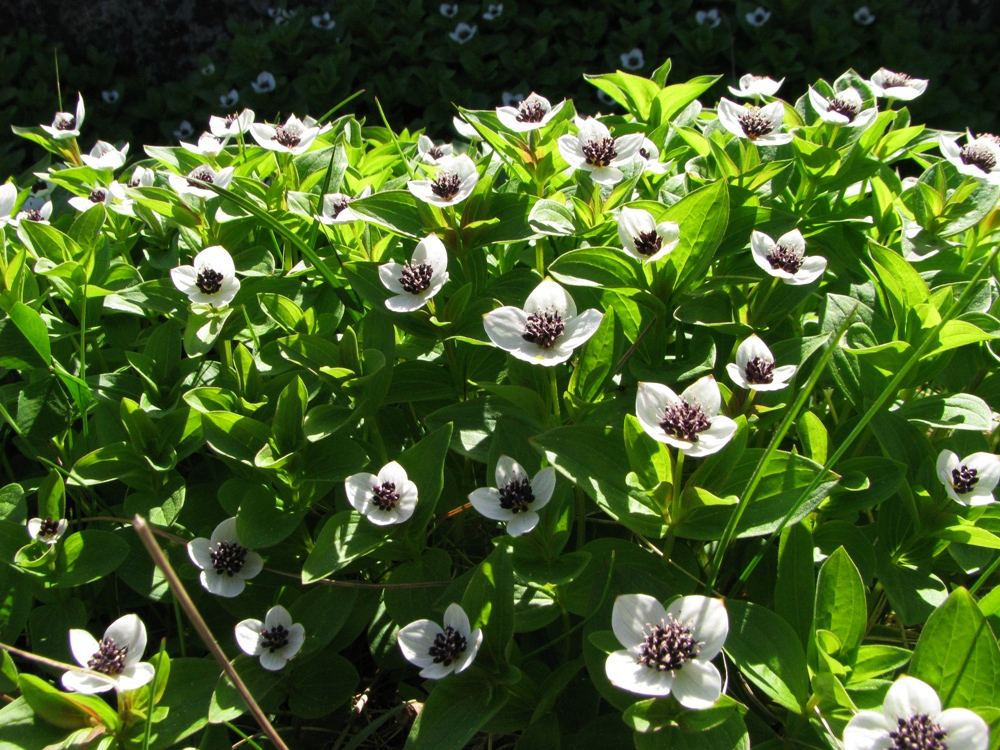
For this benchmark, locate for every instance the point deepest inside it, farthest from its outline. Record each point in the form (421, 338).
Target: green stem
(554, 394)
(985, 575)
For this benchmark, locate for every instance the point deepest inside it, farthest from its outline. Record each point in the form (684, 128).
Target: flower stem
(554, 394)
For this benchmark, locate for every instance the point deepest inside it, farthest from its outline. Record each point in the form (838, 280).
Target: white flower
(754, 367)
(47, 530)
(547, 330)
(8, 197)
(786, 258)
(265, 82)
(390, 497)
(758, 17)
(844, 109)
(141, 177)
(448, 10)
(230, 99)
(762, 125)
(690, 422)
(511, 98)
(226, 565)
(231, 124)
(294, 137)
(420, 279)
(275, 641)
(643, 238)
(184, 129)
(187, 185)
(969, 481)
(463, 32)
(669, 651)
(336, 208)
(453, 184)
(465, 130)
(887, 84)
(493, 11)
(210, 280)
(595, 151)
(605, 98)
(440, 651)
(98, 194)
(110, 96)
(517, 497)
(864, 16)
(979, 158)
(756, 86)
(33, 209)
(632, 60)
(208, 145)
(531, 113)
(650, 156)
(710, 17)
(113, 661)
(105, 156)
(912, 708)
(208, 69)
(66, 125)
(323, 21)
(429, 153)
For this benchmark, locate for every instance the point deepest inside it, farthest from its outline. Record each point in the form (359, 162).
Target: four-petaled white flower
(643, 238)
(969, 481)
(141, 177)
(226, 565)
(845, 108)
(531, 113)
(547, 330)
(911, 717)
(110, 96)
(294, 137)
(265, 82)
(710, 17)
(275, 641)
(105, 156)
(47, 530)
(97, 194)
(463, 32)
(979, 158)
(188, 184)
(440, 651)
(754, 367)
(113, 661)
(511, 98)
(758, 16)
(387, 498)
(595, 151)
(65, 124)
(669, 650)
(35, 207)
(336, 208)
(430, 153)
(493, 11)
(650, 156)
(210, 280)
(233, 124)
(448, 10)
(417, 281)
(690, 422)
(184, 129)
(453, 184)
(756, 86)
(208, 145)
(786, 258)
(632, 60)
(230, 99)
(887, 84)
(517, 497)
(864, 16)
(323, 21)
(762, 125)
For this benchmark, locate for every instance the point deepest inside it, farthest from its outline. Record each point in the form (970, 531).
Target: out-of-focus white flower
(845, 108)
(463, 32)
(632, 60)
(33, 209)
(420, 279)
(689, 422)
(188, 184)
(864, 16)
(291, 138)
(430, 153)
(184, 129)
(275, 641)
(98, 194)
(47, 530)
(752, 86)
(762, 125)
(512, 98)
(232, 124)
(448, 10)
(517, 498)
(970, 480)
(758, 17)
(66, 125)
(208, 145)
(786, 259)
(323, 21)
(211, 280)
(265, 82)
(453, 184)
(979, 158)
(336, 208)
(595, 151)
(230, 99)
(643, 238)
(710, 17)
(887, 84)
(440, 651)
(531, 113)
(105, 156)
(754, 367)
(605, 98)
(493, 11)
(282, 16)
(650, 156)
(208, 69)
(387, 498)
(115, 658)
(122, 204)
(110, 96)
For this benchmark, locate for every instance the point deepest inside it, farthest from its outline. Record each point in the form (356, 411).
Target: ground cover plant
(670, 429)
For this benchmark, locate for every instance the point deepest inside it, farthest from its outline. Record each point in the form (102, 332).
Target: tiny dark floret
(228, 558)
(48, 527)
(97, 195)
(201, 173)
(978, 155)
(684, 420)
(286, 136)
(274, 638)
(544, 328)
(648, 243)
(759, 371)
(892, 80)
(109, 658)
(785, 259)
(668, 646)
(209, 282)
(384, 496)
(32, 214)
(530, 110)
(66, 123)
(964, 479)
(446, 185)
(516, 496)
(416, 277)
(918, 733)
(754, 123)
(448, 646)
(600, 152)
(844, 106)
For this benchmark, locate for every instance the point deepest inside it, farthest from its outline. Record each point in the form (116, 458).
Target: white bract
(887, 84)
(440, 651)
(210, 280)
(547, 330)
(845, 108)
(864, 16)
(47, 530)
(710, 17)
(465, 130)
(114, 661)
(453, 184)
(911, 717)
(971, 480)
(430, 153)
(34, 208)
(336, 208)
(98, 194)
(633, 59)
(226, 565)
(689, 422)
(756, 86)
(8, 197)
(669, 650)
(493, 11)
(463, 32)
(105, 156)
(294, 137)
(65, 124)
(517, 497)
(230, 99)
(265, 82)
(531, 113)
(208, 145)
(786, 258)
(275, 641)
(650, 156)
(759, 16)
(386, 498)
(754, 367)
(417, 281)
(762, 125)
(595, 151)
(643, 238)
(323, 21)
(188, 184)
(979, 158)
(233, 124)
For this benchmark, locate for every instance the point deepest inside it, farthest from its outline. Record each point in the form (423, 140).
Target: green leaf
(424, 464)
(813, 435)
(913, 593)
(234, 436)
(672, 100)
(634, 93)
(30, 324)
(489, 603)
(398, 210)
(269, 689)
(345, 537)
(23, 729)
(552, 217)
(795, 585)
(289, 414)
(875, 660)
(66, 710)
(454, 712)
(475, 420)
(959, 411)
(702, 217)
(265, 519)
(605, 267)
(186, 700)
(841, 607)
(320, 684)
(649, 459)
(12, 505)
(598, 358)
(17, 352)
(87, 556)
